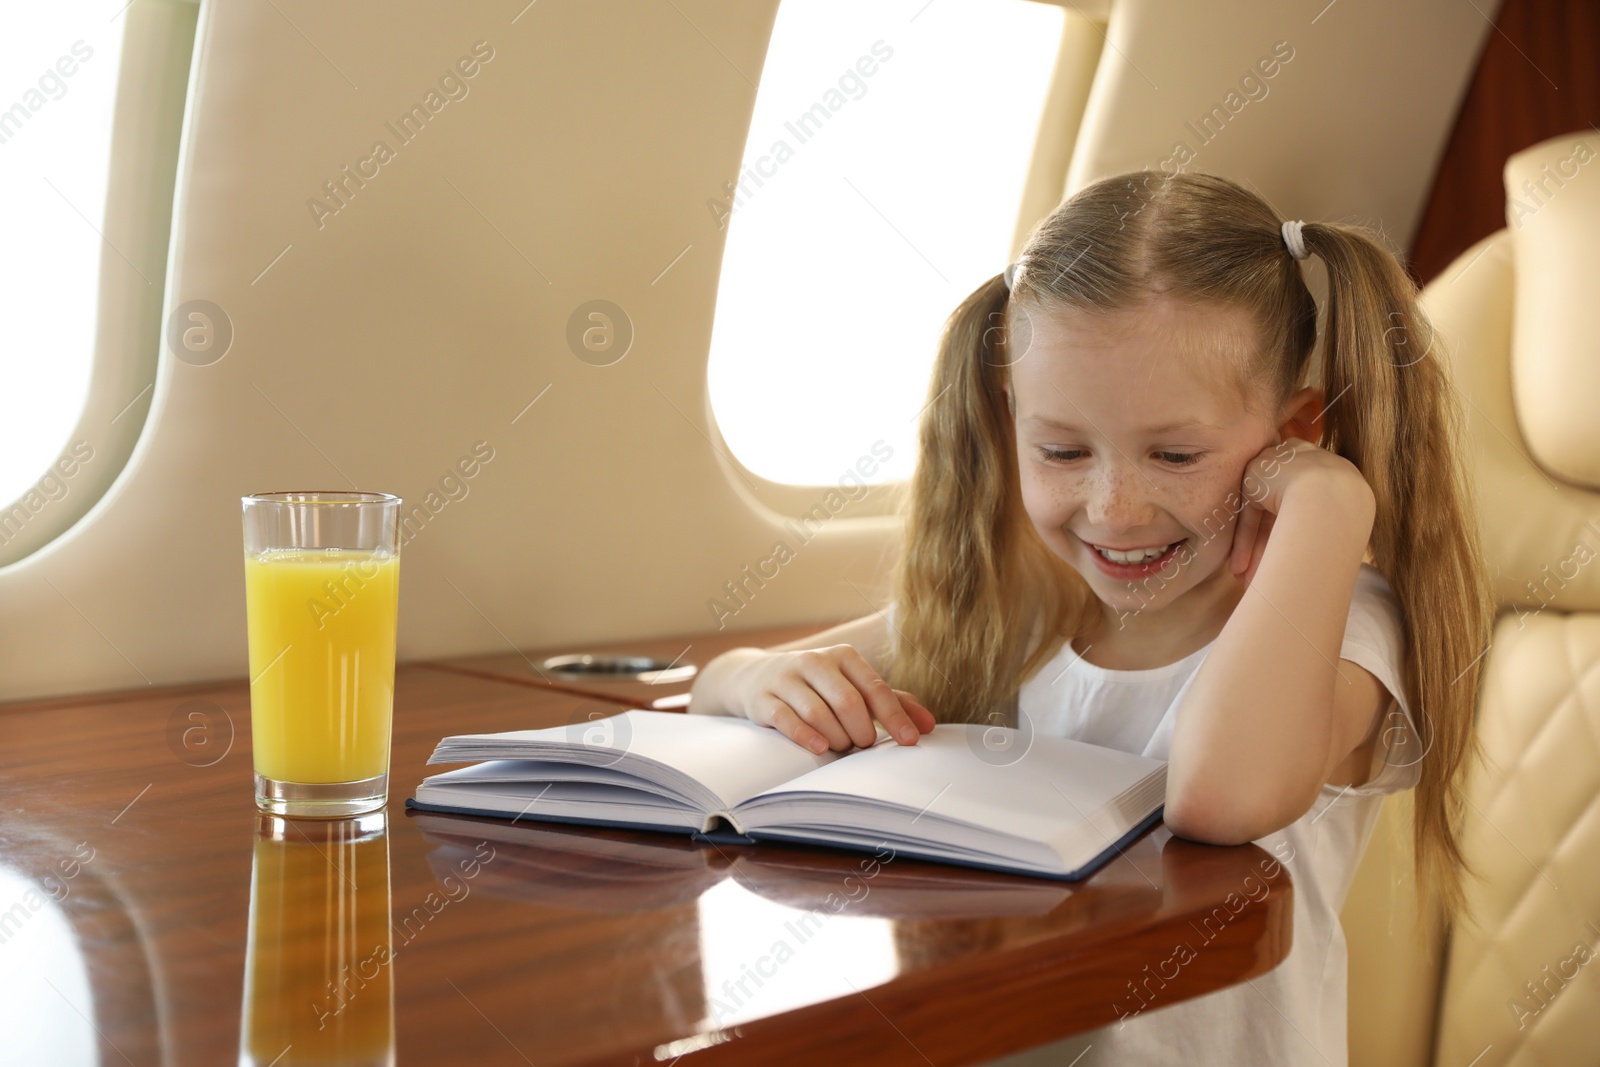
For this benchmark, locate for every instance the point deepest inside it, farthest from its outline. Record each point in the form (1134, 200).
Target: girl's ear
(1302, 416)
(1011, 401)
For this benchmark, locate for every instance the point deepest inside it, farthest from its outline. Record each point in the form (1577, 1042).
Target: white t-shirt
(1295, 1013)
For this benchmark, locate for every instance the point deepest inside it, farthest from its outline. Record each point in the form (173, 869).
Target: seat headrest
(1553, 214)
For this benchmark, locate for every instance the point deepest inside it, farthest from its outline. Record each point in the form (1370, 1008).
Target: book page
(717, 760)
(1045, 794)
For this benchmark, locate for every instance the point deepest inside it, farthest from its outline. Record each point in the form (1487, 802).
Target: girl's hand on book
(1299, 466)
(823, 698)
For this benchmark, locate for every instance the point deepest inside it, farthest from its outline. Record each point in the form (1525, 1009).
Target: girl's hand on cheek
(828, 698)
(1268, 480)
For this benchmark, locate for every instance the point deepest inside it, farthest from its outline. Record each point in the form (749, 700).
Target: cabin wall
(1331, 111)
(422, 328)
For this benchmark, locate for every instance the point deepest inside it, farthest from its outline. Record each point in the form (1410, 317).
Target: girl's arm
(821, 691)
(1273, 712)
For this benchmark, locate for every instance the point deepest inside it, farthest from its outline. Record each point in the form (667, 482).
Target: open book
(1043, 806)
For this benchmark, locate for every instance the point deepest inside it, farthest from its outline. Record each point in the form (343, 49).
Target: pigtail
(1392, 414)
(980, 600)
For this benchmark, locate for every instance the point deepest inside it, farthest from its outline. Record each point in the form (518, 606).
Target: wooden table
(443, 939)
(696, 650)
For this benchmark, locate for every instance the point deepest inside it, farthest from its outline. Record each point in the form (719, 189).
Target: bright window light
(60, 61)
(760, 958)
(881, 183)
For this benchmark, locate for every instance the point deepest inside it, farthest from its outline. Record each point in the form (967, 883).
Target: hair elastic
(1295, 239)
(1010, 274)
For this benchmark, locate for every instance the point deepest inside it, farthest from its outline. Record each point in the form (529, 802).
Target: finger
(815, 711)
(1254, 486)
(880, 699)
(1244, 534)
(783, 719)
(848, 703)
(821, 671)
(916, 711)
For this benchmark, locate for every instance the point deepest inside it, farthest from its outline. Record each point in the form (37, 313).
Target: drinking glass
(322, 582)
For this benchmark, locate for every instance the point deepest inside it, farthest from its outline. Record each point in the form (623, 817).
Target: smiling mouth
(1134, 556)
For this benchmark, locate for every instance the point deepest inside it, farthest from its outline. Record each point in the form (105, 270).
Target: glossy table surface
(149, 916)
(667, 691)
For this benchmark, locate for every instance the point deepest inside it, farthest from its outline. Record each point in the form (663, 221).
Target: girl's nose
(1118, 501)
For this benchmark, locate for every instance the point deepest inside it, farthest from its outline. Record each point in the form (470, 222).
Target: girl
(1136, 524)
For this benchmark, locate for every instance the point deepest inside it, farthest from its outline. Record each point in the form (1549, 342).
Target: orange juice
(322, 634)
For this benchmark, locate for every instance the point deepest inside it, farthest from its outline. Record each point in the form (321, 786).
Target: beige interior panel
(1082, 42)
(380, 344)
(378, 348)
(1325, 140)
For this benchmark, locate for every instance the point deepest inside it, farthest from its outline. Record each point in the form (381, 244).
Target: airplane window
(46, 1012)
(881, 183)
(62, 59)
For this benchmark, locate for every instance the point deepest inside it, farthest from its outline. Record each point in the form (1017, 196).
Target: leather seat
(1518, 316)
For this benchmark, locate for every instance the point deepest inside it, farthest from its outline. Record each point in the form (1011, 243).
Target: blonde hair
(982, 602)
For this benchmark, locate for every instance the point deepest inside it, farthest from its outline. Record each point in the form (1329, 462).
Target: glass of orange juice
(322, 585)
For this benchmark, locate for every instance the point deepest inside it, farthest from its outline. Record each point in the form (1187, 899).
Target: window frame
(152, 98)
(1083, 35)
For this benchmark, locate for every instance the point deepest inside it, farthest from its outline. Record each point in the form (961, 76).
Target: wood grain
(562, 946)
(1536, 78)
(524, 667)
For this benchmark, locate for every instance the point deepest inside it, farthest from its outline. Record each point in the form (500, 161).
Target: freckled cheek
(1209, 510)
(1048, 505)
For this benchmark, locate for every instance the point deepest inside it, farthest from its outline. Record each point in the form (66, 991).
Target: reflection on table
(779, 928)
(319, 965)
(627, 873)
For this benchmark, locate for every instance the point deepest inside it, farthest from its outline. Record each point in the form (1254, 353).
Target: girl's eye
(1067, 455)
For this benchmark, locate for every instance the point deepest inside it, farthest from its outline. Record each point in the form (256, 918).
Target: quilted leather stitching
(1536, 836)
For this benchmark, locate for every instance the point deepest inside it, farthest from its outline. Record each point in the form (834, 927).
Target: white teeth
(1140, 555)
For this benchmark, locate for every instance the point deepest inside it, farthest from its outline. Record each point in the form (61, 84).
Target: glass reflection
(319, 967)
